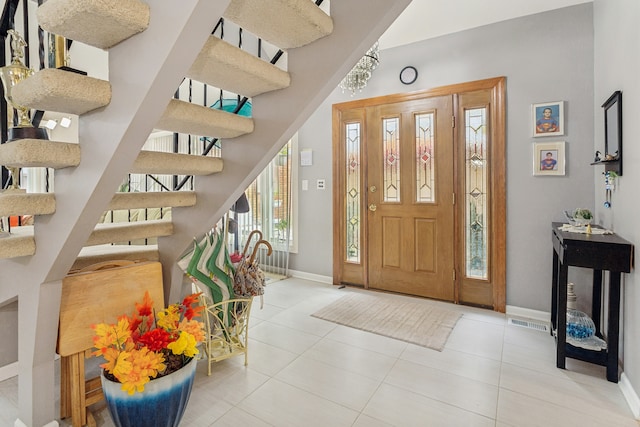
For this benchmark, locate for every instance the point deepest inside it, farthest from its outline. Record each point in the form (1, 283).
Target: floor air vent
(538, 326)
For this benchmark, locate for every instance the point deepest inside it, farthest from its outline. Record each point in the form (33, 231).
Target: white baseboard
(311, 276)
(542, 316)
(19, 423)
(630, 395)
(9, 371)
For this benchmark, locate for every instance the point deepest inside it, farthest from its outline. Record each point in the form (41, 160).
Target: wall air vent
(538, 326)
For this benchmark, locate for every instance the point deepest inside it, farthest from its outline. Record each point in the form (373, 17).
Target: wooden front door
(410, 197)
(419, 193)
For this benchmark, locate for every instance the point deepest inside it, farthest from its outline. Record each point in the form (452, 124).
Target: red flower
(191, 307)
(155, 339)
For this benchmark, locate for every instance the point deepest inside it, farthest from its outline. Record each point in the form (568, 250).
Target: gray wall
(617, 67)
(545, 57)
(8, 333)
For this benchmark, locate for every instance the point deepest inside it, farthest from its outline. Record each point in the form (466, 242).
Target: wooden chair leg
(91, 421)
(78, 407)
(76, 393)
(65, 387)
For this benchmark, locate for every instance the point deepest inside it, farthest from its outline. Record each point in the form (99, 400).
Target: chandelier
(357, 78)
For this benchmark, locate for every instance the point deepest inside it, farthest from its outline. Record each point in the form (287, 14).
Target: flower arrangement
(149, 345)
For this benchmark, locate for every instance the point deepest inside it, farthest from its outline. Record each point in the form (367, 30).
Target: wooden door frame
(497, 151)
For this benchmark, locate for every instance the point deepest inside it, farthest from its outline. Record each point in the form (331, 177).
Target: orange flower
(194, 327)
(143, 366)
(146, 308)
(134, 347)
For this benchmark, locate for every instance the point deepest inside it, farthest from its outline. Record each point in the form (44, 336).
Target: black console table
(600, 252)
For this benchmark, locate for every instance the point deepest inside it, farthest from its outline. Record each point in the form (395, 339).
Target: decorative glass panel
(425, 166)
(353, 192)
(476, 200)
(391, 159)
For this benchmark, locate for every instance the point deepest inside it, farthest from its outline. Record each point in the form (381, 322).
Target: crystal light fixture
(358, 77)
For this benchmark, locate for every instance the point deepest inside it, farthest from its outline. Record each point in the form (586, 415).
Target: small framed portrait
(548, 158)
(548, 118)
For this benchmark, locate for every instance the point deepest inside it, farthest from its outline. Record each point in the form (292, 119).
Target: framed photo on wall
(548, 158)
(548, 118)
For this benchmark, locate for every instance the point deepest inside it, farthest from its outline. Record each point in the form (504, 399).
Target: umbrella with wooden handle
(249, 279)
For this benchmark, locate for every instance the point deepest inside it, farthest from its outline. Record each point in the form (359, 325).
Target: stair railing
(211, 143)
(241, 101)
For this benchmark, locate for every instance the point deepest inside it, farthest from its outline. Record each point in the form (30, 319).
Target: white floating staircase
(146, 65)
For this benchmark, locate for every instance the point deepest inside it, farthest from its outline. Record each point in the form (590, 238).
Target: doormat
(422, 324)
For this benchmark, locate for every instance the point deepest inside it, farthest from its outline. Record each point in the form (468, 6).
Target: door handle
(372, 207)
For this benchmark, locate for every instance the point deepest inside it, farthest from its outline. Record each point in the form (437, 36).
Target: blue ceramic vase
(161, 404)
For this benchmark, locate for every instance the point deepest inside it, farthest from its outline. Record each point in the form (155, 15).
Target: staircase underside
(331, 57)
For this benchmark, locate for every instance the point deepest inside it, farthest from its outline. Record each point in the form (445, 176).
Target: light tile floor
(308, 372)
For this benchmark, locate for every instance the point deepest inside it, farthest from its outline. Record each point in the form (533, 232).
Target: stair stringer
(316, 70)
(144, 72)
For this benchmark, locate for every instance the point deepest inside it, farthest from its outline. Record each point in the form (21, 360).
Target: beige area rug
(422, 324)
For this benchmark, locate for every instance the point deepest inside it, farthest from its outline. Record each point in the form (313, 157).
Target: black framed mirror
(613, 132)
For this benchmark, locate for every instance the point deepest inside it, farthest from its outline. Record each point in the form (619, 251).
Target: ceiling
(424, 19)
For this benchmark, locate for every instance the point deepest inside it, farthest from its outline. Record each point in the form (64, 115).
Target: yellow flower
(122, 366)
(168, 318)
(185, 344)
(111, 336)
(111, 356)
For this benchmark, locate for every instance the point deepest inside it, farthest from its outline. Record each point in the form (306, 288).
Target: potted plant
(582, 216)
(149, 362)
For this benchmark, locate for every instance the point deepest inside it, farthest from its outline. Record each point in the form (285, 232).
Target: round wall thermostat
(408, 75)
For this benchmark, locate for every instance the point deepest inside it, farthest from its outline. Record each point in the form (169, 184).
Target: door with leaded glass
(420, 193)
(410, 212)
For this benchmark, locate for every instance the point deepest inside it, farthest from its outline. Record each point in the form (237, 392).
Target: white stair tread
(127, 231)
(19, 203)
(99, 23)
(24, 153)
(52, 89)
(188, 118)
(284, 23)
(153, 162)
(19, 243)
(225, 66)
(159, 199)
